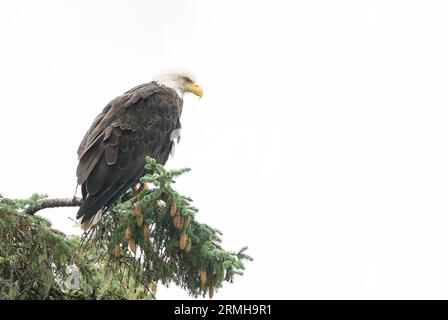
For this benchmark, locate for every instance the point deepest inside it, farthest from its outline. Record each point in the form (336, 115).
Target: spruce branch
(137, 243)
(154, 237)
(52, 203)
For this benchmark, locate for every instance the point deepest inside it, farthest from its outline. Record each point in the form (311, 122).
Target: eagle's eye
(187, 80)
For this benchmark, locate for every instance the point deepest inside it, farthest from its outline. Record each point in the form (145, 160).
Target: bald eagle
(144, 121)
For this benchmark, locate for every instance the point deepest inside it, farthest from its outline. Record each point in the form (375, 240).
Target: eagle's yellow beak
(194, 88)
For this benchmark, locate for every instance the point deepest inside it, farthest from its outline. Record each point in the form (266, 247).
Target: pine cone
(202, 278)
(138, 214)
(181, 222)
(137, 209)
(173, 209)
(186, 222)
(210, 281)
(188, 245)
(128, 233)
(211, 291)
(146, 232)
(139, 220)
(133, 245)
(177, 221)
(183, 241)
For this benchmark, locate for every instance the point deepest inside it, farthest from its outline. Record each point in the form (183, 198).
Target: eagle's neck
(173, 85)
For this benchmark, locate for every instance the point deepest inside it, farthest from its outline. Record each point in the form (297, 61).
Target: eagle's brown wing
(111, 154)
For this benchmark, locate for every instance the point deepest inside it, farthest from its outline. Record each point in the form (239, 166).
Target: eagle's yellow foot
(139, 187)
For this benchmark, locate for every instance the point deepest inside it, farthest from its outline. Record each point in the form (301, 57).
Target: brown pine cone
(202, 278)
(146, 232)
(211, 291)
(128, 233)
(183, 241)
(173, 209)
(138, 214)
(137, 209)
(177, 221)
(133, 245)
(186, 222)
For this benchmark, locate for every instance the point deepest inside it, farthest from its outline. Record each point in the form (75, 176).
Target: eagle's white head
(182, 82)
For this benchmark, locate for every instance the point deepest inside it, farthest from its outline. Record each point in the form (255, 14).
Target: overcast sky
(320, 142)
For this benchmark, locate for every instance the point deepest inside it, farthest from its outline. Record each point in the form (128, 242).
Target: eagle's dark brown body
(111, 155)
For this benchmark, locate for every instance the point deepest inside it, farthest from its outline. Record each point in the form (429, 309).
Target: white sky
(321, 140)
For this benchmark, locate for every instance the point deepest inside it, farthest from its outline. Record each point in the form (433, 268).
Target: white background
(320, 142)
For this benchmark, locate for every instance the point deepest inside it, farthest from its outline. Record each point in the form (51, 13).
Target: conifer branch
(53, 203)
(141, 241)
